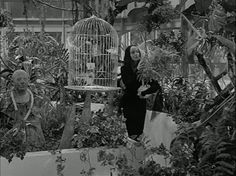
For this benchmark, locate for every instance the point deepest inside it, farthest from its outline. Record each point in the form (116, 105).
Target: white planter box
(44, 163)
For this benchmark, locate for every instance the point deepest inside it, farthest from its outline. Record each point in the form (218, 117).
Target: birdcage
(93, 48)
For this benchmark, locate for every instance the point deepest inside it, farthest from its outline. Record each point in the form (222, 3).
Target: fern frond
(209, 156)
(225, 168)
(223, 156)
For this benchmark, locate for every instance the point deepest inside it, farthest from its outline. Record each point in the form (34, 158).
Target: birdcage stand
(86, 113)
(93, 60)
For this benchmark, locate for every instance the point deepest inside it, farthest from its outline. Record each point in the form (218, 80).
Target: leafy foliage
(53, 124)
(160, 61)
(159, 64)
(159, 12)
(202, 152)
(46, 62)
(186, 100)
(151, 15)
(222, 146)
(101, 130)
(12, 145)
(151, 168)
(205, 149)
(6, 20)
(118, 163)
(212, 143)
(43, 58)
(124, 168)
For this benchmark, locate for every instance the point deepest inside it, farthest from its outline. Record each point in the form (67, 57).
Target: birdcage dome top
(93, 47)
(93, 26)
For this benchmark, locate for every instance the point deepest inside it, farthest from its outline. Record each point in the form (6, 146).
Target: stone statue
(20, 105)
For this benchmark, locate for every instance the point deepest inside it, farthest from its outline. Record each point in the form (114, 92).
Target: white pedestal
(159, 128)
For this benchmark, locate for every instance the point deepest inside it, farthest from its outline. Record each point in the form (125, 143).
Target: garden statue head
(20, 80)
(132, 56)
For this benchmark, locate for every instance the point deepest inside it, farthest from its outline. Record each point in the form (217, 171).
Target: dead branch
(52, 6)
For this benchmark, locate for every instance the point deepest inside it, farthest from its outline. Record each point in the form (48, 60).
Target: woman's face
(135, 53)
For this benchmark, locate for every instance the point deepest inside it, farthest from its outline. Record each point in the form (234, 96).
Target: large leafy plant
(205, 143)
(157, 65)
(12, 145)
(101, 130)
(43, 58)
(46, 62)
(211, 140)
(151, 15)
(162, 58)
(185, 100)
(207, 151)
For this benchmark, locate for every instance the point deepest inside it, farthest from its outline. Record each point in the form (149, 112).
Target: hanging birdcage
(93, 48)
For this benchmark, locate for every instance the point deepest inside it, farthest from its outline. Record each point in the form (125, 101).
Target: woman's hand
(144, 97)
(141, 89)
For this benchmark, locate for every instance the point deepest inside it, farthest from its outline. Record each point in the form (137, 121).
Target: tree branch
(52, 6)
(61, 8)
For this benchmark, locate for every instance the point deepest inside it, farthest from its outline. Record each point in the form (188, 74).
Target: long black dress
(134, 108)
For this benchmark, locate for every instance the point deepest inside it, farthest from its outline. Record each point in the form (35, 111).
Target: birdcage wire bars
(93, 48)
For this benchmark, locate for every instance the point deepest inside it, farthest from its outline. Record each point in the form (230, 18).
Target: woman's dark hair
(127, 57)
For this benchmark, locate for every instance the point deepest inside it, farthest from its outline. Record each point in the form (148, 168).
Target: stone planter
(44, 163)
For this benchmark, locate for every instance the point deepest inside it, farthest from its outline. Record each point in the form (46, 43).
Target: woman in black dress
(134, 103)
